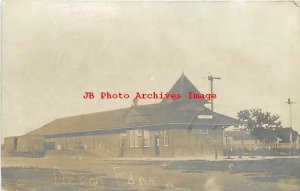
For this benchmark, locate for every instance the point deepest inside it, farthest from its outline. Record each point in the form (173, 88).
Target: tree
(286, 134)
(261, 124)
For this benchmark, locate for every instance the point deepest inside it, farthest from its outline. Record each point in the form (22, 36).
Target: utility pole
(289, 102)
(211, 79)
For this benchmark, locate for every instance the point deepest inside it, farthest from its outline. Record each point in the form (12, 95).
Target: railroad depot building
(172, 128)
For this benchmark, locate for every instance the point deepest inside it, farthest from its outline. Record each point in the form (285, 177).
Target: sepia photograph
(150, 95)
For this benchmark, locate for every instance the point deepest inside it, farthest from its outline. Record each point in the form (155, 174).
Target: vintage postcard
(150, 95)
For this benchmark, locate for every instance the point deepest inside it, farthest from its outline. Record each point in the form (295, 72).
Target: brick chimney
(135, 102)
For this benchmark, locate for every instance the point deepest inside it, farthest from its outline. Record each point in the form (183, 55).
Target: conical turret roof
(183, 86)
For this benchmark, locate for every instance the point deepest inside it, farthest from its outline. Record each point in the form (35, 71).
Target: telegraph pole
(211, 79)
(289, 102)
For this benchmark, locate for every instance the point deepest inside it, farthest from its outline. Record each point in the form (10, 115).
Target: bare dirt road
(85, 173)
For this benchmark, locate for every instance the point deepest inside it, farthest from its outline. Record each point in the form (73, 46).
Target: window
(131, 138)
(136, 138)
(146, 139)
(157, 142)
(166, 138)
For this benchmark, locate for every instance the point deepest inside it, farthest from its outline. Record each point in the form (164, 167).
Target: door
(122, 146)
(15, 147)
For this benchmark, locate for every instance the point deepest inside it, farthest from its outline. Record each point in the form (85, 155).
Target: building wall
(142, 143)
(198, 142)
(106, 145)
(177, 143)
(32, 143)
(26, 143)
(137, 145)
(242, 144)
(8, 144)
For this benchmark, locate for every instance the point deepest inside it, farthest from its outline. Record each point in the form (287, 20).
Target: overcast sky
(54, 52)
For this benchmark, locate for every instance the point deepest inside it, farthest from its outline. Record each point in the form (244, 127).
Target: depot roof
(184, 112)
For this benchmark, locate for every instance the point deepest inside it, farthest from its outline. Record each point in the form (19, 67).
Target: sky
(53, 52)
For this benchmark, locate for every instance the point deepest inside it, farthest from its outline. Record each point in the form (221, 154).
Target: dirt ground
(85, 173)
